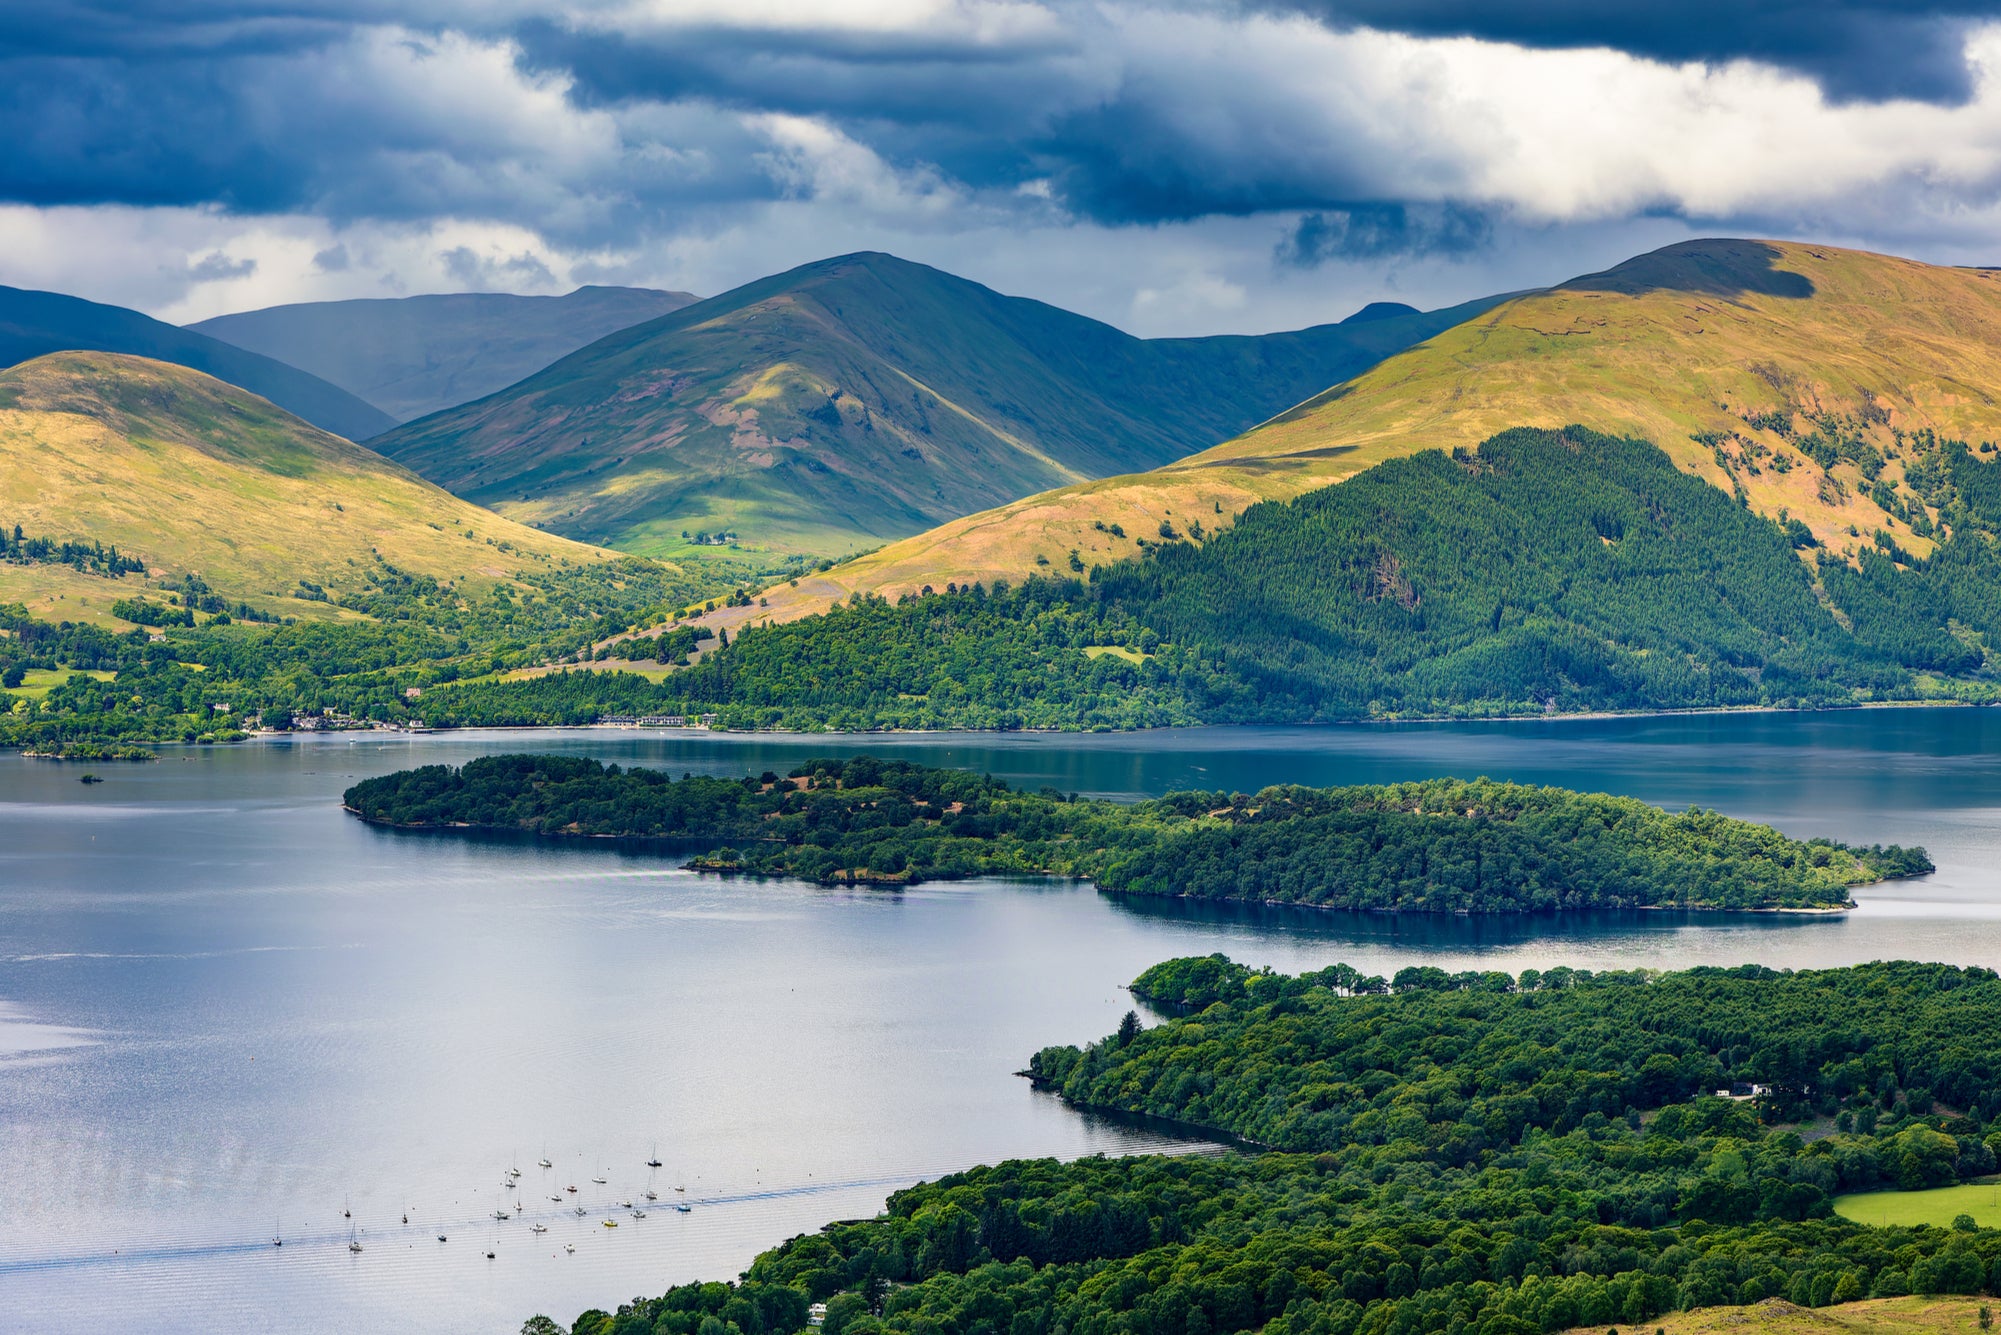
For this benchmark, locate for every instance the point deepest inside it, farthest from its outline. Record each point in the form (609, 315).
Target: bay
(228, 1010)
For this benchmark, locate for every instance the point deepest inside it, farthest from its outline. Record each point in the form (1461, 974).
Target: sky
(1170, 166)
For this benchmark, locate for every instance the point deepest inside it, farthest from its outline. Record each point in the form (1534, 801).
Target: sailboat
(539, 1228)
(277, 1237)
(654, 1161)
(598, 1180)
(652, 1195)
(353, 1243)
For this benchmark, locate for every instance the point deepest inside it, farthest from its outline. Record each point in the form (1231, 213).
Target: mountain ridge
(1778, 371)
(412, 356)
(33, 323)
(854, 400)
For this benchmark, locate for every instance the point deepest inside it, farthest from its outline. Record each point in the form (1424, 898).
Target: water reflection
(1460, 934)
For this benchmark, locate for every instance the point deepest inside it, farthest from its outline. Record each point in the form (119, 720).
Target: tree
(540, 1325)
(1129, 1028)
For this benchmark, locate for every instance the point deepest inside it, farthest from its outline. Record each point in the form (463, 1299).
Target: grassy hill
(35, 323)
(1776, 1316)
(1779, 371)
(192, 475)
(856, 400)
(410, 356)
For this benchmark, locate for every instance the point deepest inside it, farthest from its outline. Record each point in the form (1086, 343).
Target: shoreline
(641, 841)
(1417, 721)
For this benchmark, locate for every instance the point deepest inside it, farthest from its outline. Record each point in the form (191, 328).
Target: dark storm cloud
(267, 106)
(1868, 50)
(1383, 231)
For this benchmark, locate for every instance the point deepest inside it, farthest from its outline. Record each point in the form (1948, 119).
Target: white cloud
(981, 21)
(813, 160)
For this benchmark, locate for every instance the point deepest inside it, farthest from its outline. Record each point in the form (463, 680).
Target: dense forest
(1546, 571)
(182, 659)
(1437, 846)
(1474, 1154)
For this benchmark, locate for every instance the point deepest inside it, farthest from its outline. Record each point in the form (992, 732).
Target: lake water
(227, 1009)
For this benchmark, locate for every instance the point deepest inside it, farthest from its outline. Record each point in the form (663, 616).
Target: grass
(1917, 342)
(39, 681)
(1132, 656)
(1876, 1316)
(190, 474)
(1939, 1206)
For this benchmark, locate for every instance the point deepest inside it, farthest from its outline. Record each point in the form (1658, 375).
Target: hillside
(191, 475)
(35, 323)
(1546, 571)
(1875, 1316)
(410, 356)
(857, 400)
(1782, 371)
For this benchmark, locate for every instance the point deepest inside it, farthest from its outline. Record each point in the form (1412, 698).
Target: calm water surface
(228, 1010)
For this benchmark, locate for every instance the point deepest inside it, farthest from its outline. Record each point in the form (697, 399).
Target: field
(1878, 1316)
(1667, 346)
(38, 681)
(1939, 1207)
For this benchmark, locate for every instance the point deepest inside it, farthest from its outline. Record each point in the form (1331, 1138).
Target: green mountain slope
(410, 356)
(1545, 571)
(1772, 369)
(194, 476)
(860, 399)
(35, 323)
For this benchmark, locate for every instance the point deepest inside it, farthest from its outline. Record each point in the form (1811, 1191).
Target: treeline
(1506, 1159)
(90, 557)
(1438, 846)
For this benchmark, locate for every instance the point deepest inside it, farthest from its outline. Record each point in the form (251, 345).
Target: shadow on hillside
(1716, 267)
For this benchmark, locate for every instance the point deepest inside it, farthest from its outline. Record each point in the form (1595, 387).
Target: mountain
(192, 475)
(410, 356)
(1791, 375)
(34, 323)
(1546, 571)
(860, 399)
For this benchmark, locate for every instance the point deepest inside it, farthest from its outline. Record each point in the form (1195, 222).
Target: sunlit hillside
(1742, 359)
(191, 475)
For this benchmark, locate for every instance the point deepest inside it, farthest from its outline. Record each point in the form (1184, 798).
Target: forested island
(1437, 846)
(1472, 1153)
